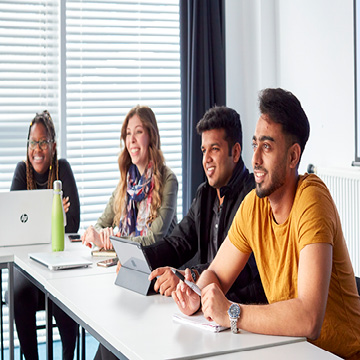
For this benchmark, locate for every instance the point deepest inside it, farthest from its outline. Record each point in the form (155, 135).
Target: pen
(190, 284)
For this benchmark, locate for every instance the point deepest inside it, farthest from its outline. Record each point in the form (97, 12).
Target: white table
(141, 327)
(39, 274)
(129, 324)
(295, 351)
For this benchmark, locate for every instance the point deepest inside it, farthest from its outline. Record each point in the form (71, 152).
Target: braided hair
(45, 119)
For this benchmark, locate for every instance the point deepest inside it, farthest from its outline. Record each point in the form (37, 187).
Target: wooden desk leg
(11, 309)
(49, 335)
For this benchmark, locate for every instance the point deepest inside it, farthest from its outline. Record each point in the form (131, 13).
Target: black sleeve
(247, 288)
(19, 177)
(177, 248)
(69, 189)
(201, 267)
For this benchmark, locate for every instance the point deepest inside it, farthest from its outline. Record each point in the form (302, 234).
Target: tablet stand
(134, 280)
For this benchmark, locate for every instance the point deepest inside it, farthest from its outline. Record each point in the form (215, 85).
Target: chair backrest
(358, 283)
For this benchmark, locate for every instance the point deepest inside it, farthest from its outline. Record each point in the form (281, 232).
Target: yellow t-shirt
(313, 219)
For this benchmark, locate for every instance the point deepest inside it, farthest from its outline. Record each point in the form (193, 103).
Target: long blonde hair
(148, 120)
(45, 119)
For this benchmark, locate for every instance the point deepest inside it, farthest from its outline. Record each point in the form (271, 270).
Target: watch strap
(234, 314)
(193, 275)
(233, 325)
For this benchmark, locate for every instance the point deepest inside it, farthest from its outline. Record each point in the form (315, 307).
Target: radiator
(344, 186)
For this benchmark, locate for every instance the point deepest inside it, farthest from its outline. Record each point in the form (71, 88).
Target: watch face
(193, 275)
(234, 311)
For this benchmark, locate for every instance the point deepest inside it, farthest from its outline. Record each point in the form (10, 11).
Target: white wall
(305, 46)
(249, 65)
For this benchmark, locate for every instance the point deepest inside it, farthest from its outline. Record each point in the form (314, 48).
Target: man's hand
(118, 266)
(166, 280)
(215, 305)
(186, 299)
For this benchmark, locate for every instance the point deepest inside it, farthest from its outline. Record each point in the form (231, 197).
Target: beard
(277, 181)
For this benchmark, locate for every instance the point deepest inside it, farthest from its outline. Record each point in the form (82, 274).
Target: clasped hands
(100, 239)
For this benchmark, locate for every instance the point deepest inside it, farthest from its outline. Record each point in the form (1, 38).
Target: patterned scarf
(139, 196)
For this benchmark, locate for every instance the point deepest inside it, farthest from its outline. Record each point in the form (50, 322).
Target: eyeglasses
(43, 144)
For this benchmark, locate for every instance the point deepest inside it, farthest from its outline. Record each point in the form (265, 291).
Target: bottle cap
(57, 185)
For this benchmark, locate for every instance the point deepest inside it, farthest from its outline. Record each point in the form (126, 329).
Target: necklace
(42, 184)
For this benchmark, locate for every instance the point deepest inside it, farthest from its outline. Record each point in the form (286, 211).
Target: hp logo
(24, 218)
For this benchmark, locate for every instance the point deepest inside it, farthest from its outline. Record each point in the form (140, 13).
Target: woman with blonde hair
(143, 205)
(39, 171)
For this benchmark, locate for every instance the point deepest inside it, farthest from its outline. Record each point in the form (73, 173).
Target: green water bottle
(57, 219)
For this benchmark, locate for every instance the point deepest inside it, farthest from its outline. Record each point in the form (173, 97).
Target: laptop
(25, 217)
(135, 268)
(60, 260)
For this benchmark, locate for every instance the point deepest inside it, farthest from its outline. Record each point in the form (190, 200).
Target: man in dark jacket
(201, 232)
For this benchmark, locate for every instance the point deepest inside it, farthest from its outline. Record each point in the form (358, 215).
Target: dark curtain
(202, 56)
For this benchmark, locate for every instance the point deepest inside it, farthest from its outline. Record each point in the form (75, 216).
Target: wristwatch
(193, 275)
(234, 313)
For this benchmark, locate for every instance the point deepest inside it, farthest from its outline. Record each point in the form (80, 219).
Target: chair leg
(49, 325)
(2, 319)
(83, 344)
(78, 343)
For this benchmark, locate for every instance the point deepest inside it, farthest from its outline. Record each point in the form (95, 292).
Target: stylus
(190, 284)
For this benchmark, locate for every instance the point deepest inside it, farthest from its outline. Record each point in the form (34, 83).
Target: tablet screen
(130, 254)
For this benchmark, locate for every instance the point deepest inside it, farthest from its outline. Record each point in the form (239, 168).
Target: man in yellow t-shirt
(291, 224)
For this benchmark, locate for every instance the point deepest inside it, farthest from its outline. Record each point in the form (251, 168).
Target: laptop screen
(25, 217)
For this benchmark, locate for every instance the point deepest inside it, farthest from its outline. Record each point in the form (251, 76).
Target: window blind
(118, 54)
(29, 83)
(29, 75)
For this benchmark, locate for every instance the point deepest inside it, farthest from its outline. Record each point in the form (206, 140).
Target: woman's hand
(66, 204)
(91, 236)
(105, 237)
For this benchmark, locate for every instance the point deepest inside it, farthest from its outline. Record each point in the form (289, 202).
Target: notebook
(60, 260)
(199, 321)
(102, 252)
(25, 217)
